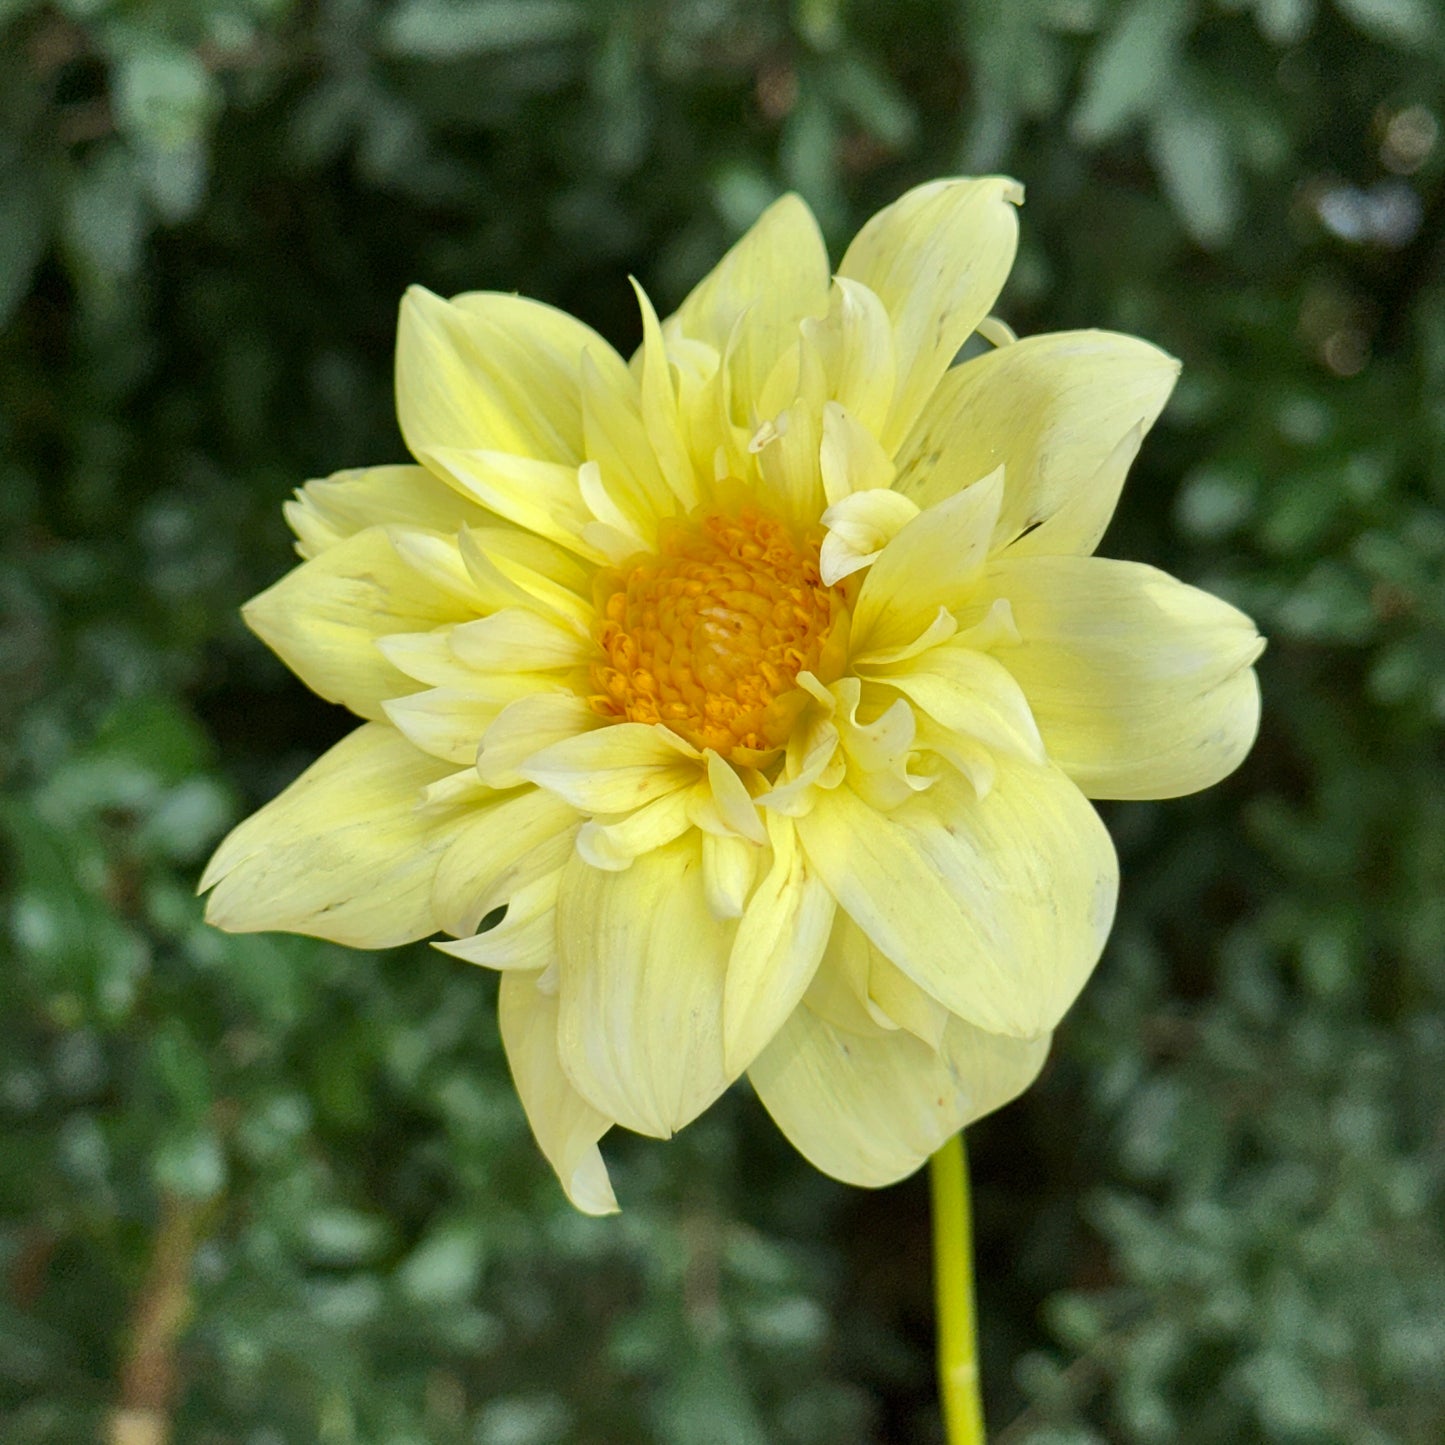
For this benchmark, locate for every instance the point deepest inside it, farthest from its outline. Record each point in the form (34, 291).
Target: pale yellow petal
(525, 727)
(427, 657)
(1141, 685)
(542, 496)
(773, 277)
(661, 414)
(525, 941)
(616, 440)
(729, 870)
(333, 508)
(850, 458)
(998, 906)
(616, 844)
(494, 372)
(448, 722)
(502, 848)
(870, 1108)
(780, 938)
(643, 964)
(969, 692)
(937, 259)
(437, 557)
(503, 580)
(617, 768)
(859, 526)
(517, 639)
(322, 619)
(1063, 413)
(932, 562)
(344, 853)
(855, 340)
(565, 1126)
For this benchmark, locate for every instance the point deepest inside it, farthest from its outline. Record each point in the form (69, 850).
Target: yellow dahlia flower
(765, 679)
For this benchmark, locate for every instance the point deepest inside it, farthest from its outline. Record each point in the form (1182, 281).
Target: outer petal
(772, 278)
(322, 619)
(937, 258)
(495, 372)
(1063, 413)
(870, 1107)
(343, 853)
(329, 510)
(998, 906)
(1140, 684)
(643, 964)
(566, 1127)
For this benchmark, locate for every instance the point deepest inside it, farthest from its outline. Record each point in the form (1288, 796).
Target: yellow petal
(932, 562)
(937, 258)
(1063, 413)
(850, 458)
(859, 526)
(729, 870)
(566, 1127)
(780, 938)
(1141, 685)
(855, 340)
(773, 277)
(870, 1108)
(525, 727)
(495, 372)
(519, 640)
(502, 848)
(969, 692)
(998, 906)
(617, 768)
(542, 496)
(526, 938)
(617, 442)
(618, 844)
(449, 722)
(503, 580)
(329, 510)
(661, 414)
(643, 963)
(343, 853)
(322, 619)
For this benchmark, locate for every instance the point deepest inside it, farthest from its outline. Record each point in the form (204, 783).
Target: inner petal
(709, 634)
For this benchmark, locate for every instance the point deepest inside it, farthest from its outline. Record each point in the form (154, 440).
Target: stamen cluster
(709, 634)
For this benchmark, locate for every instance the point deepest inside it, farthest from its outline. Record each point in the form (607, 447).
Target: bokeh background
(266, 1191)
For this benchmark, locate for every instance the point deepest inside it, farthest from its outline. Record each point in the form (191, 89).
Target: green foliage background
(282, 1193)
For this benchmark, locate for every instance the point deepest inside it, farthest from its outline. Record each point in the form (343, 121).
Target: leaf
(1132, 69)
(23, 236)
(436, 30)
(1191, 150)
(1406, 23)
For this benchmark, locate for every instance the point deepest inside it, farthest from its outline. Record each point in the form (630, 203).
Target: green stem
(953, 1290)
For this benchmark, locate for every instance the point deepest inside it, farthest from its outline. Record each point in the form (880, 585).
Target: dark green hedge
(286, 1187)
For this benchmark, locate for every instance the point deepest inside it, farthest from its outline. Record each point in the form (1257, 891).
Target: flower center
(709, 635)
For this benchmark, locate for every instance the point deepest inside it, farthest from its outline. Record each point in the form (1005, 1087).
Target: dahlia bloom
(765, 679)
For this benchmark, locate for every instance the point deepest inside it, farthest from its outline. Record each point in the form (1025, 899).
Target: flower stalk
(958, 1382)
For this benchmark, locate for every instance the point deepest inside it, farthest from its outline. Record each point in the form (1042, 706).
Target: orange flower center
(709, 635)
